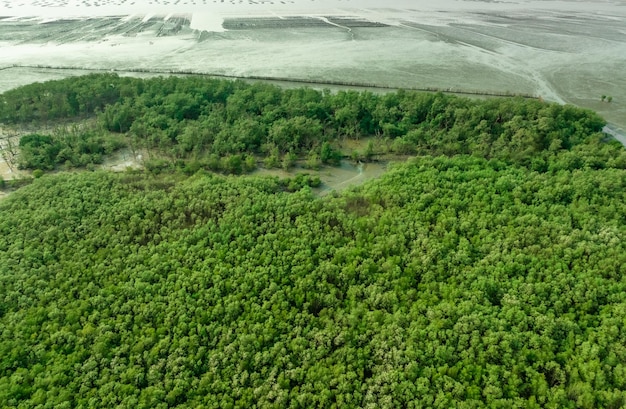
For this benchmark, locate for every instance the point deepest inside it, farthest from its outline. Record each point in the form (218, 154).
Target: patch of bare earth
(123, 160)
(334, 178)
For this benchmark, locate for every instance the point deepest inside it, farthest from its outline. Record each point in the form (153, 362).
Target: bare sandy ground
(123, 160)
(65, 8)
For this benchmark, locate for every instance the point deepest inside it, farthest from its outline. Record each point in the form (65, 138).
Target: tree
(289, 160)
(328, 155)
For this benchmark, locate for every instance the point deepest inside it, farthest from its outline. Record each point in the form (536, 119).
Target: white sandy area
(113, 7)
(205, 21)
(208, 14)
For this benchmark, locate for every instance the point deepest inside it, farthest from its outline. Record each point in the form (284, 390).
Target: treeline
(229, 125)
(59, 99)
(451, 282)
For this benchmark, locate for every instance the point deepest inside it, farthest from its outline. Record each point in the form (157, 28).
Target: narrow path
(616, 133)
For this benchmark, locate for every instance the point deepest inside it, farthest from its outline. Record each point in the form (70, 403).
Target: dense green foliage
(222, 125)
(491, 275)
(54, 100)
(448, 283)
(75, 148)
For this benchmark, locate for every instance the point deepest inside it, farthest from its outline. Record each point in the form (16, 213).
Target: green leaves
(66, 147)
(205, 120)
(488, 276)
(447, 282)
